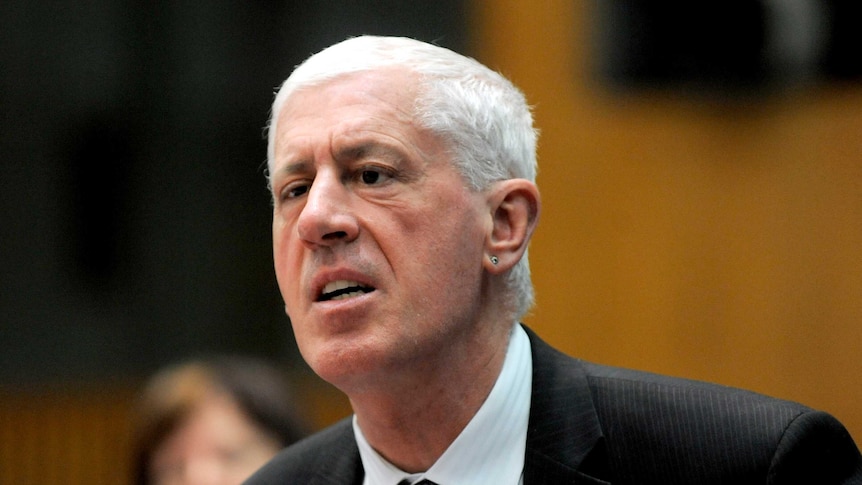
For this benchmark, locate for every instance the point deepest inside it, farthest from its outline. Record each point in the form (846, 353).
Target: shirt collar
(491, 448)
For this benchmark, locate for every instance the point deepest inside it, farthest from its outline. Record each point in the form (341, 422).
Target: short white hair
(483, 116)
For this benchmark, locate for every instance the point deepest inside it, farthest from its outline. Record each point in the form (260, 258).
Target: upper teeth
(339, 285)
(336, 290)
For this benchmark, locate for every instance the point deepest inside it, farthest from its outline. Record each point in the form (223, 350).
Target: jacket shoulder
(621, 385)
(329, 456)
(665, 426)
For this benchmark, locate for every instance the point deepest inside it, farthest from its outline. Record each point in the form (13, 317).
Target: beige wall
(721, 243)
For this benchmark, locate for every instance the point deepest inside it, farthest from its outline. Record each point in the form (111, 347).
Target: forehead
(381, 90)
(377, 103)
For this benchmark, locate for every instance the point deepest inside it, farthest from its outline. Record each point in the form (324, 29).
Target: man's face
(378, 244)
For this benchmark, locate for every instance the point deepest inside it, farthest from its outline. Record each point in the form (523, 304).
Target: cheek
(286, 269)
(447, 245)
(277, 241)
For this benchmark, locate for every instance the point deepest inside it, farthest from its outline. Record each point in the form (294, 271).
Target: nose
(326, 219)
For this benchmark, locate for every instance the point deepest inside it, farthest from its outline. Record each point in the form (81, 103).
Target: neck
(414, 417)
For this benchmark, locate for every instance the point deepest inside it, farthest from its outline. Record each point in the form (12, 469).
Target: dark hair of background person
(259, 389)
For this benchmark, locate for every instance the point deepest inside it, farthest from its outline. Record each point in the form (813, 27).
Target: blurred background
(700, 165)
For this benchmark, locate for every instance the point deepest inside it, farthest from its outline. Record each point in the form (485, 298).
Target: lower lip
(344, 304)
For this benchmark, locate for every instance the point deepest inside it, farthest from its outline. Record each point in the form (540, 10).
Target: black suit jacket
(593, 424)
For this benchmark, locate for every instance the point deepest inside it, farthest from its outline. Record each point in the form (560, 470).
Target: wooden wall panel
(70, 436)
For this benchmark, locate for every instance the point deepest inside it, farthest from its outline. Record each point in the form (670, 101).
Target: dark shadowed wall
(135, 221)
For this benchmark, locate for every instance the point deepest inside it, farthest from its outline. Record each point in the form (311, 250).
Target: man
(404, 200)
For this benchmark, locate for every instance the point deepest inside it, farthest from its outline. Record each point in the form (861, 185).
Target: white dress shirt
(490, 449)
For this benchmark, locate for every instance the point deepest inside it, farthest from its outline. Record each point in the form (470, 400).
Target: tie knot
(421, 482)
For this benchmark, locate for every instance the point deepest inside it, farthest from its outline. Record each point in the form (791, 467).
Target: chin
(346, 366)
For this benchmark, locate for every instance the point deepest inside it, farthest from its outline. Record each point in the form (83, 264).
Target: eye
(294, 190)
(373, 176)
(370, 177)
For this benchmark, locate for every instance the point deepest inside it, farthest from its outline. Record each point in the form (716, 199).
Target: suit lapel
(565, 443)
(344, 465)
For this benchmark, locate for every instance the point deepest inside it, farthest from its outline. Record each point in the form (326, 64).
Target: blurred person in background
(212, 422)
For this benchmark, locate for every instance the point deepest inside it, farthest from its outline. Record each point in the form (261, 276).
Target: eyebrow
(368, 149)
(348, 153)
(291, 168)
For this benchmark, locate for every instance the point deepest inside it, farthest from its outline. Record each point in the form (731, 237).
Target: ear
(515, 209)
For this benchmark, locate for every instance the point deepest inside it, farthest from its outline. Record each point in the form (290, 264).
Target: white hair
(481, 114)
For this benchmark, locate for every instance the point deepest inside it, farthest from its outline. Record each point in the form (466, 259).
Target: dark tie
(423, 482)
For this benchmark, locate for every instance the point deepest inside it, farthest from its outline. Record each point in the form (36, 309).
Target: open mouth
(342, 289)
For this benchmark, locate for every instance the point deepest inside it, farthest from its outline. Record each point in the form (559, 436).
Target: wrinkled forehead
(399, 86)
(374, 100)
(366, 113)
